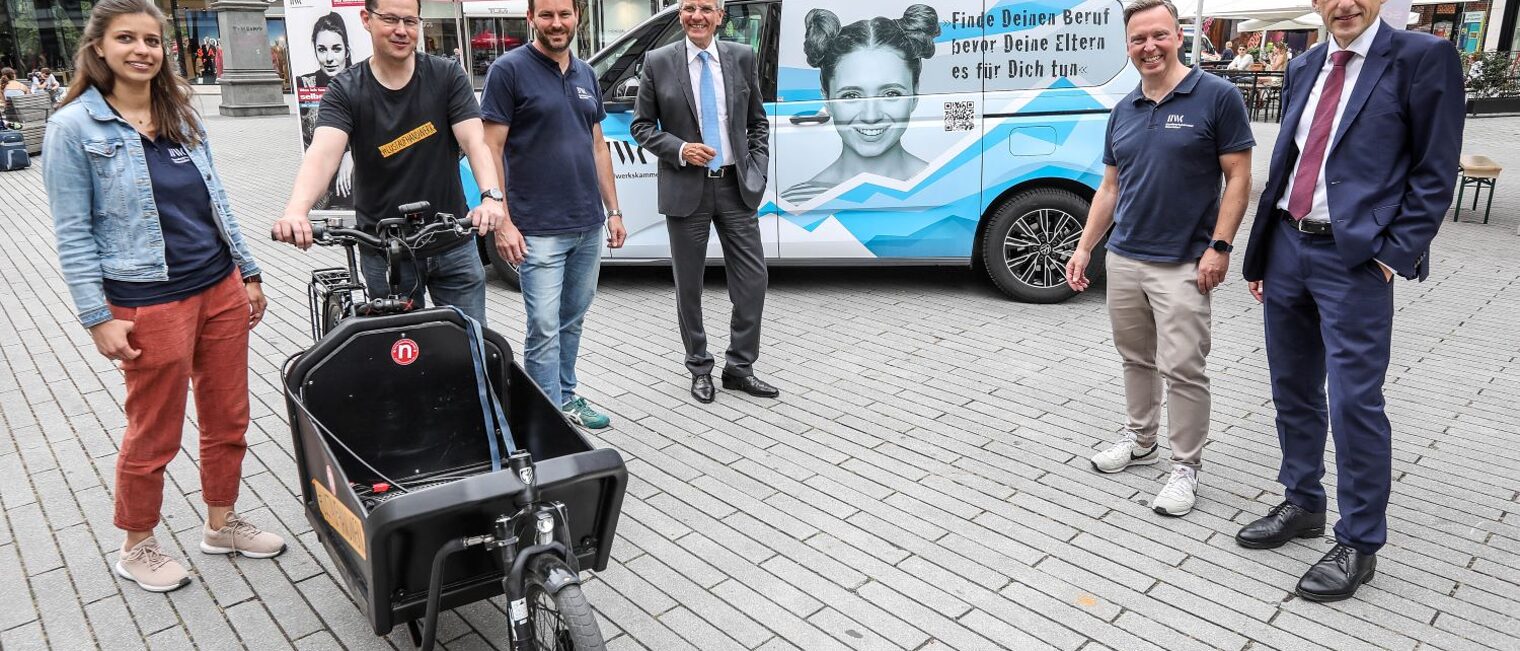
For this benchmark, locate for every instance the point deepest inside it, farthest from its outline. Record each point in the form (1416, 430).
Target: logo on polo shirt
(581, 92)
(1177, 121)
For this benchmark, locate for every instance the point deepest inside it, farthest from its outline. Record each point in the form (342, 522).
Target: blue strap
(490, 405)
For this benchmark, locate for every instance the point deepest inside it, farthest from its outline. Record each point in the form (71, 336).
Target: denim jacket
(104, 215)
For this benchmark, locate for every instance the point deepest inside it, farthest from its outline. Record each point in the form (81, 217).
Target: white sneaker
(1176, 499)
(1124, 454)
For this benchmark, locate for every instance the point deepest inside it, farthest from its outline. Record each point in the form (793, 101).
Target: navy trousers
(1329, 327)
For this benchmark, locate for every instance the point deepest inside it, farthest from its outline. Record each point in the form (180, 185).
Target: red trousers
(199, 342)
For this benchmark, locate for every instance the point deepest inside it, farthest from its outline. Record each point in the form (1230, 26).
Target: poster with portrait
(882, 112)
(324, 38)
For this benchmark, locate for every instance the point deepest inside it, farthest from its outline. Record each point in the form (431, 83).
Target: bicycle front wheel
(562, 621)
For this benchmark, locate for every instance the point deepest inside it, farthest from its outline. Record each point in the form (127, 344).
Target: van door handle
(820, 117)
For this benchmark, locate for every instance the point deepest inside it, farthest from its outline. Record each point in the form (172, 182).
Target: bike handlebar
(324, 235)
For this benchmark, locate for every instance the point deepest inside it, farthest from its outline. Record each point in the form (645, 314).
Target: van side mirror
(627, 89)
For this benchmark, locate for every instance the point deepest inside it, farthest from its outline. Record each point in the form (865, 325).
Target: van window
(750, 23)
(619, 63)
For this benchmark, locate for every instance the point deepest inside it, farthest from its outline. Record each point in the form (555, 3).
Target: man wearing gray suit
(699, 110)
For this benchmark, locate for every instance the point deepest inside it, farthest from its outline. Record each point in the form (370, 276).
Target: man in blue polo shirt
(560, 193)
(1167, 145)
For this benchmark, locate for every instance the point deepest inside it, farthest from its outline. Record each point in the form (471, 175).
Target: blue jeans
(454, 277)
(558, 282)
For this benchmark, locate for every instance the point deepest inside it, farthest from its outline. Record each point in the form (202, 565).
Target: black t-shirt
(402, 140)
(194, 250)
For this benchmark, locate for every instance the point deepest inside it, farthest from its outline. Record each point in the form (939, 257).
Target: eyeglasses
(705, 11)
(392, 20)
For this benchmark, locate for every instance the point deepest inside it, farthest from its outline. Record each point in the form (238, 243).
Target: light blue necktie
(711, 131)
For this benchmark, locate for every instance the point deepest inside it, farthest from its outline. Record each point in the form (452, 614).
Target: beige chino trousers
(1161, 327)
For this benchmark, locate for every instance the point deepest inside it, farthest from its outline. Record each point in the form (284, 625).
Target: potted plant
(1492, 84)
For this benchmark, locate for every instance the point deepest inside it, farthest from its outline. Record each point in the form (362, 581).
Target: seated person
(1241, 61)
(11, 86)
(1277, 61)
(46, 82)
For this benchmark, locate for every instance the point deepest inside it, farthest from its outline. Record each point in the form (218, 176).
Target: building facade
(45, 33)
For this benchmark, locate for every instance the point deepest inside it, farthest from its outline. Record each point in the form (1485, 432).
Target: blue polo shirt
(1168, 154)
(550, 168)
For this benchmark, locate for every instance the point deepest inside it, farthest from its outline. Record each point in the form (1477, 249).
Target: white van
(988, 157)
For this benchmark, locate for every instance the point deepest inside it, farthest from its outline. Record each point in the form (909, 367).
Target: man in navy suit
(1361, 176)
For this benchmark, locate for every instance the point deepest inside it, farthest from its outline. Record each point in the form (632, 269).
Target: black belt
(1303, 225)
(719, 173)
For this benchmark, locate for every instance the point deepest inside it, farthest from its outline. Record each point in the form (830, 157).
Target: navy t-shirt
(197, 255)
(1168, 154)
(550, 169)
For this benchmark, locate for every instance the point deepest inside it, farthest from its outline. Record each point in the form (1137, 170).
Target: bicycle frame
(537, 528)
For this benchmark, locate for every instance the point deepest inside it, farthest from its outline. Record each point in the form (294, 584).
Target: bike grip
(414, 208)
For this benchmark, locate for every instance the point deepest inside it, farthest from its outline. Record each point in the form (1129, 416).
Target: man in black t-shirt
(406, 115)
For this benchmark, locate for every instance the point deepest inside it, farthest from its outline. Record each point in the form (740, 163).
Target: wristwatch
(614, 213)
(256, 278)
(492, 193)
(1221, 246)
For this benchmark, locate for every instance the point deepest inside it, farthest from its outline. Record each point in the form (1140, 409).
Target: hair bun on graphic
(822, 26)
(920, 26)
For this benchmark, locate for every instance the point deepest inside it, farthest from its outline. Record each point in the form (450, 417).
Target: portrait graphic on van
(878, 59)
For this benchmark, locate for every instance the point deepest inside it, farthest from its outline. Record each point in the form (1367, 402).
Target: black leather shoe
(1283, 523)
(751, 385)
(1337, 575)
(702, 388)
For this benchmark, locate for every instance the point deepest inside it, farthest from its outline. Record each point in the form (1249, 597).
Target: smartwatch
(1221, 246)
(492, 193)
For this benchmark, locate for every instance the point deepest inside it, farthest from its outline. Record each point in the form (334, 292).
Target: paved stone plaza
(922, 483)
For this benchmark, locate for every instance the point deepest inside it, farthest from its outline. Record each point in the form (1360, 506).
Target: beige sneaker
(151, 569)
(241, 536)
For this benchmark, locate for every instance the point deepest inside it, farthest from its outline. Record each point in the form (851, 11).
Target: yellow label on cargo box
(340, 518)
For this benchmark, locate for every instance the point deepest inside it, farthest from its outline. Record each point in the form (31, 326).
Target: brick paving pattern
(922, 483)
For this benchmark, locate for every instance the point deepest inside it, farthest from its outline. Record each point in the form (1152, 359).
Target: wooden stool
(1479, 172)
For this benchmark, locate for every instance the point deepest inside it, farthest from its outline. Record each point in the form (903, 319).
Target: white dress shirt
(694, 68)
(1319, 210)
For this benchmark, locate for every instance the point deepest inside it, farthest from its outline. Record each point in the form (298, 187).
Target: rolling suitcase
(13, 154)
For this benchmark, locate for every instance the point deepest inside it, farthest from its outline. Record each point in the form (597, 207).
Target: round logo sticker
(405, 351)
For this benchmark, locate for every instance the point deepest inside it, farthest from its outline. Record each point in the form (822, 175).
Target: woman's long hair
(170, 94)
(332, 22)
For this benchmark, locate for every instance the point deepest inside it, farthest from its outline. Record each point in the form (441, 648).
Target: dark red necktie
(1313, 156)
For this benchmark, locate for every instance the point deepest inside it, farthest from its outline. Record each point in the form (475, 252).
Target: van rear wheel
(1028, 241)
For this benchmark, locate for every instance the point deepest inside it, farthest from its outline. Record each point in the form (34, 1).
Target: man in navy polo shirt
(560, 193)
(1167, 145)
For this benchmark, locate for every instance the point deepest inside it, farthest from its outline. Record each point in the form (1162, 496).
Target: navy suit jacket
(1391, 166)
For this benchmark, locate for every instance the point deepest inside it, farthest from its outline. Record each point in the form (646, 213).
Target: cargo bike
(434, 471)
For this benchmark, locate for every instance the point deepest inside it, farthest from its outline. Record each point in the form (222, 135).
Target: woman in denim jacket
(160, 275)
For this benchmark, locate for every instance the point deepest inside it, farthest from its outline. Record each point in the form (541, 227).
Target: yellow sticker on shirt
(408, 139)
(342, 520)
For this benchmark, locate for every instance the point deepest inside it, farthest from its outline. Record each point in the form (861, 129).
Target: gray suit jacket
(665, 117)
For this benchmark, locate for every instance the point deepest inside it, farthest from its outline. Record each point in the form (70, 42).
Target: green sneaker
(582, 414)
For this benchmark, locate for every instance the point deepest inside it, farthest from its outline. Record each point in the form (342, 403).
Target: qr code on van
(960, 116)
